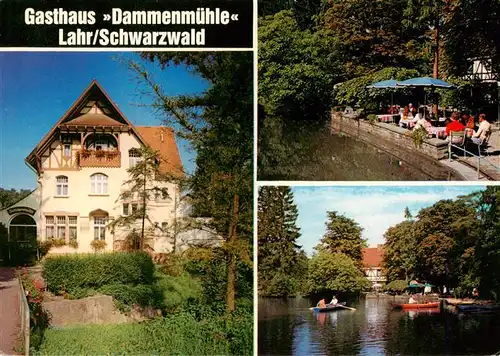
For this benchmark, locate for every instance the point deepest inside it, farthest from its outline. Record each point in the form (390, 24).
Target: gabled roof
(373, 257)
(162, 139)
(93, 96)
(95, 108)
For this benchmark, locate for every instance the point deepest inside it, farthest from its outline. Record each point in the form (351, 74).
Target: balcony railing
(87, 158)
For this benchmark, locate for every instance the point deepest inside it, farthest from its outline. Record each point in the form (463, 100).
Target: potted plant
(85, 153)
(58, 242)
(98, 245)
(100, 153)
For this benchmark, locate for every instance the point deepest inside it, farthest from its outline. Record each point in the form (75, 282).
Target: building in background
(372, 266)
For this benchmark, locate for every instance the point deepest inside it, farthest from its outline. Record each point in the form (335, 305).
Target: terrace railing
(480, 159)
(25, 318)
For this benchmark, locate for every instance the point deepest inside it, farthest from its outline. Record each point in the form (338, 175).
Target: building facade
(372, 266)
(81, 168)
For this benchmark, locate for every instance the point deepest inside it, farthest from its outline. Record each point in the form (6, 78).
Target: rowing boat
(416, 305)
(329, 307)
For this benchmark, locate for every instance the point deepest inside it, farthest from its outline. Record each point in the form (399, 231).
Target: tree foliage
(334, 272)
(282, 263)
(400, 251)
(12, 196)
(343, 235)
(219, 125)
(146, 183)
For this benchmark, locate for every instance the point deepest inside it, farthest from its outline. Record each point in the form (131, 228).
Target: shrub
(65, 273)
(58, 242)
(73, 243)
(397, 286)
(149, 295)
(98, 245)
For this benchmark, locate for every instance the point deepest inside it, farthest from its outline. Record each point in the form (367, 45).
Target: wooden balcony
(88, 158)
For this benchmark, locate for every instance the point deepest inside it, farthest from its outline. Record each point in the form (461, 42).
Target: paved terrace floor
(10, 323)
(490, 165)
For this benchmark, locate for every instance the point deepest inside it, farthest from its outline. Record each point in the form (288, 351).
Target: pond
(335, 157)
(288, 327)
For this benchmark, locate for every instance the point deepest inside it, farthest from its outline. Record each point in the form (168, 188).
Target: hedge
(66, 273)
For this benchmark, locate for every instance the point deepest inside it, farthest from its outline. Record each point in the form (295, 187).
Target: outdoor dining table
(439, 132)
(407, 122)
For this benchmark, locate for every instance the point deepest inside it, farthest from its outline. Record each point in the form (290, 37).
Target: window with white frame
(61, 227)
(61, 186)
(164, 227)
(99, 228)
(67, 150)
(72, 223)
(49, 227)
(99, 184)
(134, 157)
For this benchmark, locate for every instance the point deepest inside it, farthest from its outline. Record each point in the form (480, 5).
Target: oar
(343, 306)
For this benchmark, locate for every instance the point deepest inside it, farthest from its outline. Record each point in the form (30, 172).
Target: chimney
(161, 137)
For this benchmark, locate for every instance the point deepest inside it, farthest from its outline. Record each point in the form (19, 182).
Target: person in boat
(334, 300)
(412, 300)
(321, 304)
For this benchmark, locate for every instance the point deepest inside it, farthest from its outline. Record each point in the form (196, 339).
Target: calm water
(336, 157)
(290, 328)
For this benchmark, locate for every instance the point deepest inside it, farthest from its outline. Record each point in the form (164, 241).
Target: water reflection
(290, 328)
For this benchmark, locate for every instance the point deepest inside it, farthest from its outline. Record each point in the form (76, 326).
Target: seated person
(454, 125)
(412, 300)
(483, 131)
(321, 304)
(334, 301)
(425, 123)
(470, 123)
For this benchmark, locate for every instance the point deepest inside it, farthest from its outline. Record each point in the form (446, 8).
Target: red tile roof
(162, 139)
(373, 256)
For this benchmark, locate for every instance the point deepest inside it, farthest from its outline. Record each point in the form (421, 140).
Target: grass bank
(173, 335)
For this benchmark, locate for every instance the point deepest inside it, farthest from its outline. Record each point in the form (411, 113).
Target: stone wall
(91, 310)
(397, 142)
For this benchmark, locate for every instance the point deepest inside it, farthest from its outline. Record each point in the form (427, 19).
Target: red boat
(416, 305)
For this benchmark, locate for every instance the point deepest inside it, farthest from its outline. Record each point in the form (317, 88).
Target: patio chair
(482, 143)
(456, 139)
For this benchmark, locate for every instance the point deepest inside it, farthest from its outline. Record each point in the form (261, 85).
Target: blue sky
(375, 208)
(36, 89)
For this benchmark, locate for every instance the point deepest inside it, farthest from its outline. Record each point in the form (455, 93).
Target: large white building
(81, 166)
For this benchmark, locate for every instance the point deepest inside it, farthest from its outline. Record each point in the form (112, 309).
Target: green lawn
(173, 335)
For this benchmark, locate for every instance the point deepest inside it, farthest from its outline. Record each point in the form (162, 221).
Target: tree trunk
(435, 72)
(231, 270)
(141, 242)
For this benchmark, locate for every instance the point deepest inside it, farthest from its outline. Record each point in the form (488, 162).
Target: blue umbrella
(384, 84)
(426, 82)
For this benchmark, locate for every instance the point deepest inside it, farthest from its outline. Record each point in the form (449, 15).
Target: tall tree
(407, 214)
(145, 185)
(487, 249)
(400, 251)
(334, 272)
(219, 125)
(343, 235)
(279, 254)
